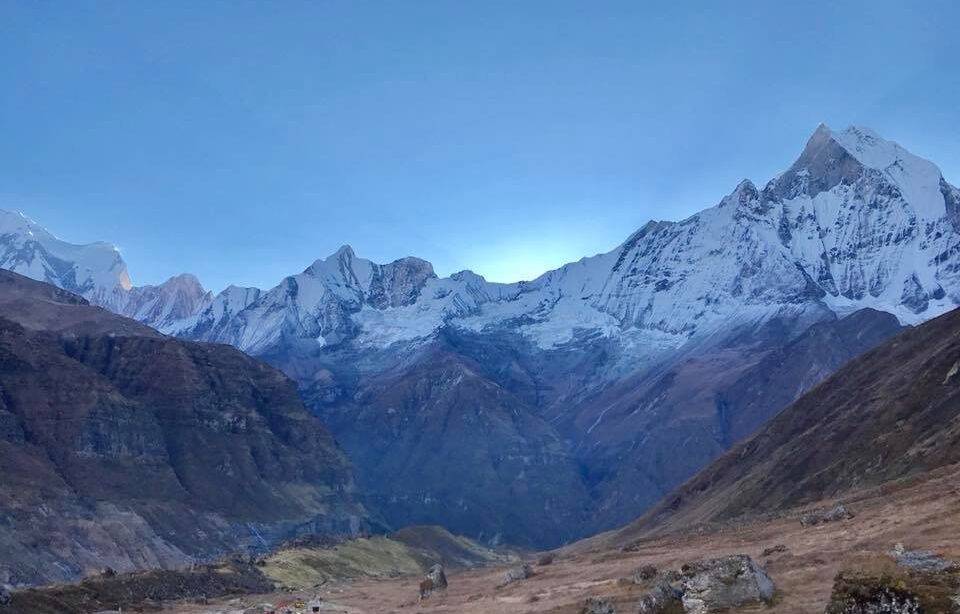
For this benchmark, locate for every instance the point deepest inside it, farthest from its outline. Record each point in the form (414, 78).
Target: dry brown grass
(922, 515)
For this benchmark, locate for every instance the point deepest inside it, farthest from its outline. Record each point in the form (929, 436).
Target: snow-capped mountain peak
(364, 282)
(97, 272)
(832, 157)
(94, 270)
(872, 150)
(856, 221)
(744, 194)
(166, 305)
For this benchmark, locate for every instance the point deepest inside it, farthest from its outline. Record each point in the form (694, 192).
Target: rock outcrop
(922, 560)
(516, 574)
(916, 583)
(598, 605)
(664, 598)
(724, 583)
(435, 580)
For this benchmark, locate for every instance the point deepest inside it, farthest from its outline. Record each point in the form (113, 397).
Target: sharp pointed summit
(345, 251)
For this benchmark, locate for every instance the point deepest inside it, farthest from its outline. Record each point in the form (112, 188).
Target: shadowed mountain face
(122, 447)
(892, 413)
(498, 440)
(438, 439)
(646, 435)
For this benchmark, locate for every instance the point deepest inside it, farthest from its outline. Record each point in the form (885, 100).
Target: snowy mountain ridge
(97, 272)
(856, 221)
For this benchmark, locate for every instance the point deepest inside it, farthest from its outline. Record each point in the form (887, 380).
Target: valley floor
(921, 514)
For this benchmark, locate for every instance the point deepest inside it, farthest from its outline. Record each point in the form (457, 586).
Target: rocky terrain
(127, 449)
(811, 568)
(582, 383)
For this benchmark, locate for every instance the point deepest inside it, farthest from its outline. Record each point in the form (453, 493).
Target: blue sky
(242, 140)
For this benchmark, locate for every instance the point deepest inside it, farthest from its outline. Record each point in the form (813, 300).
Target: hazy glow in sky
(241, 141)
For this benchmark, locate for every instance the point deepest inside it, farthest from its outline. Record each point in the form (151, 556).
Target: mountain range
(542, 411)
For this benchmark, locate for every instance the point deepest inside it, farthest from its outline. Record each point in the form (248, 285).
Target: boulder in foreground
(725, 582)
(435, 580)
(516, 574)
(905, 582)
(661, 599)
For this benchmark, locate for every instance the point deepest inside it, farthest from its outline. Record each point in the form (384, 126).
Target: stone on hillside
(644, 574)
(545, 559)
(921, 560)
(598, 605)
(515, 574)
(435, 580)
(439, 578)
(773, 550)
(662, 599)
(837, 512)
(855, 594)
(6, 595)
(896, 590)
(726, 582)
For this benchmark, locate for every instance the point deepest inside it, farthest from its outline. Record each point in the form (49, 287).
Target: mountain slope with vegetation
(892, 413)
(121, 447)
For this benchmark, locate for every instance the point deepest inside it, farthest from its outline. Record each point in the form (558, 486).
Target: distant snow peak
(94, 270)
(166, 305)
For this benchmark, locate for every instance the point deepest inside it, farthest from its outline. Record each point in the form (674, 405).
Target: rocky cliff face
(121, 447)
(703, 403)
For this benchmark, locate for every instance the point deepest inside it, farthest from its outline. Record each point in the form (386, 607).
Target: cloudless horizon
(242, 141)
